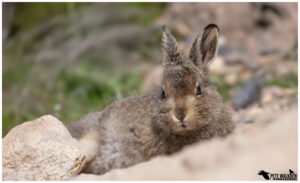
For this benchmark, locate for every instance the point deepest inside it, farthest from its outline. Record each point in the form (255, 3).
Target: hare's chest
(176, 143)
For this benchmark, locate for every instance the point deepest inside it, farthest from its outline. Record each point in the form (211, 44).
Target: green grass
(28, 15)
(152, 11)
(288, 80)
(222, 86)
(77, 90)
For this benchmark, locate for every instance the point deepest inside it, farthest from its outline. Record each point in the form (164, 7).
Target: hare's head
(185, 95)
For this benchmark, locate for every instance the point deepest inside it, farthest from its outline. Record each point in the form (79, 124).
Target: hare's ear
(203, 51)
(171, 53)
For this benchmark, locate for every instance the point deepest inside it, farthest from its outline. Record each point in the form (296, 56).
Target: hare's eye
(199, 91)
(163, 94)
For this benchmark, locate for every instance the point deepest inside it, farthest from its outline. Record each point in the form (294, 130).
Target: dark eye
(163, 94)
(199, 91)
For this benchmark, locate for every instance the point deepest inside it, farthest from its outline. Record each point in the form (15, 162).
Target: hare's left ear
(203, 51)
(171, 52)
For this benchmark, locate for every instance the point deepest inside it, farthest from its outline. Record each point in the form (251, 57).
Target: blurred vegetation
(28, 15)
(222, 86)
(85, 86)
(77, 91)
(288, 80)
(68, 89)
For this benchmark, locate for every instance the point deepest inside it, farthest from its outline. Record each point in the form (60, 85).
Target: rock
(239, 118)
(42, 149)
(249, 94)
(270, 94)
(231, 78)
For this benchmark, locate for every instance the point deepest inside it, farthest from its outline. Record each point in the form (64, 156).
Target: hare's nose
(180, 116)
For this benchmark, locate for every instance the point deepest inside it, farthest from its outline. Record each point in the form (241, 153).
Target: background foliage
(68, 59)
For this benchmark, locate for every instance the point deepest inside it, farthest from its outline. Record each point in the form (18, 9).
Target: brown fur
(186, 110)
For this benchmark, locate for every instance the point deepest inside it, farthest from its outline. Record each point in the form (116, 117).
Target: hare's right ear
(171, 53)
(203, 51)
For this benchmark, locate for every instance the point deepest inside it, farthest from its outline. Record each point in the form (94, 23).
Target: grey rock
(249, 94)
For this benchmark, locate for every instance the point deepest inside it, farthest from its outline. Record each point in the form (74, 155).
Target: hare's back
(129, 112)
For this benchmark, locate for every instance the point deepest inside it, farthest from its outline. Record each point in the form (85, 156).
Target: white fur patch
(89, 146)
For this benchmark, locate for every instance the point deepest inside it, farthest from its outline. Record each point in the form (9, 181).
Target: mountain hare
(185, 110)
